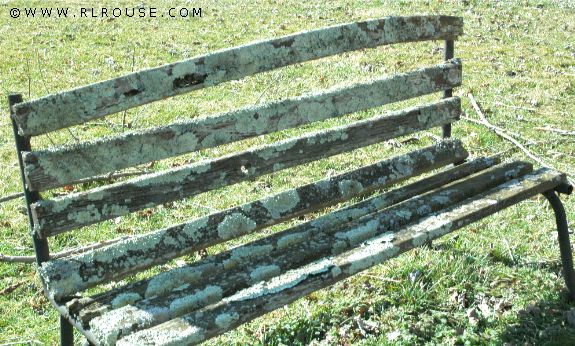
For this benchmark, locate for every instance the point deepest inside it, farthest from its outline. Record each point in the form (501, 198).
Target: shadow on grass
(543, 323)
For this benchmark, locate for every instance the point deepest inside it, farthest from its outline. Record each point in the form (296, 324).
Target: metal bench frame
(43, 254)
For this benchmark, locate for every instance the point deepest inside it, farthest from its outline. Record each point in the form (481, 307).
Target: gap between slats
(58, 166)
(267, 296)
(87, 307)
(68, 275)
(72, 211)
(312, 244)
(93, 101)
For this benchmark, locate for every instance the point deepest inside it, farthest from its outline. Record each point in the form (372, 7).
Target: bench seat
(189, 304)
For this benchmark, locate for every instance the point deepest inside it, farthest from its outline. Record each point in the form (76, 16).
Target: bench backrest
(63, 165)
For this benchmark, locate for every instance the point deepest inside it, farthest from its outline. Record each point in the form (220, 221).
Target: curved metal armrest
(563, 237)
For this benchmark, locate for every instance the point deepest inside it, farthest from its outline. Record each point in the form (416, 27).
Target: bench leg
(66, 332)
(564, 244)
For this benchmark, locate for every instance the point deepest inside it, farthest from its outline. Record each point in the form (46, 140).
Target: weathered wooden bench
(206, 298)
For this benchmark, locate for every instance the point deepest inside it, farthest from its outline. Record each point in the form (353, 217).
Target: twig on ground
(79, 250)
(499, 131)
(485, 121)
(11, 288)
(50, 139)
(274, 82)
(138, 115)
(559, 131)
(11, 197)
(73, 135)
(515, 107)
(104, 123)
(83, 181)
(509, 251)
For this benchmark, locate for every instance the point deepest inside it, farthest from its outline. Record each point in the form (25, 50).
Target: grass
(494, 282)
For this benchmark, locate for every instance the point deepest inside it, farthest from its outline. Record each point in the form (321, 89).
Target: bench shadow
(547, 322)
(543, 323)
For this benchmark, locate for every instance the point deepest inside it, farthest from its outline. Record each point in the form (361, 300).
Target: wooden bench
(206, 298)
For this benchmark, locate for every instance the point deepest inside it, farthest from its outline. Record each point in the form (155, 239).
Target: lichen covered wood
(82, 104)
(314, 240)
(75, 210)
(76, 273)
(255, 300)
(63, 165)
(86, 308)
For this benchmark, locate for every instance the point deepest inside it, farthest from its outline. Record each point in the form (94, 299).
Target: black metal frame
(40, 244)
(43, 252)
(448, 53)
(551, 196)
(563, 236)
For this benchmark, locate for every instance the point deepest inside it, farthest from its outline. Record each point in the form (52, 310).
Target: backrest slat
(76, 210)
(79, 105)
(63, 165)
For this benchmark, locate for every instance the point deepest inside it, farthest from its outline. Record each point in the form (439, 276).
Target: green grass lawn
(497, 281)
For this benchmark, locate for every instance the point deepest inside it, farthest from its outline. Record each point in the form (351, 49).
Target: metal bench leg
(66, 332)
(564, 244)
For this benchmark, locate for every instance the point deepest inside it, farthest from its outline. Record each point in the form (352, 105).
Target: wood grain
(84, 308)
(79, 272)
(315, 239)
(58, 215)
(59, 166)
(245, 305)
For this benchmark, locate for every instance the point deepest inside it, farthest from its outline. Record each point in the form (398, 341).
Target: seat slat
(58, 215)
(82, 271)
(86, 308)
(267, 296)
(63, 165)
(314, 242)
(82, 104)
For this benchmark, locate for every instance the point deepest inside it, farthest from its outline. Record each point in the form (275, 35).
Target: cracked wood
(313, 242)
(77, 306)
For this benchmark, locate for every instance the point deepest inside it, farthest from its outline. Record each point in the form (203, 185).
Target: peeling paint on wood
(80, 209)
(82, 104)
